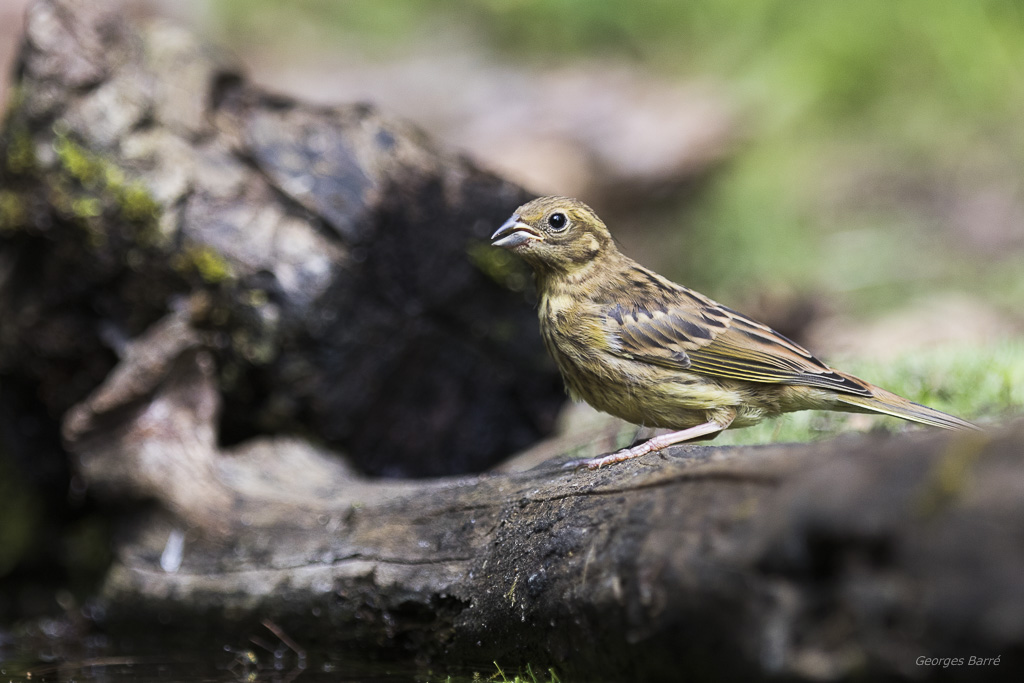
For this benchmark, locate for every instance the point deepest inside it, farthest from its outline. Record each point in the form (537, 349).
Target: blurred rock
(591, 130)
(12, 19)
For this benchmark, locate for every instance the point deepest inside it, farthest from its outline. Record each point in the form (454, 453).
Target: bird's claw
(600, 461)
(577, 465)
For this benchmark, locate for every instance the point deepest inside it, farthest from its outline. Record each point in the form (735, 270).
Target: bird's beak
(513, 232)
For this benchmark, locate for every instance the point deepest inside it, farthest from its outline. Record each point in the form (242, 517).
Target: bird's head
(555, 233)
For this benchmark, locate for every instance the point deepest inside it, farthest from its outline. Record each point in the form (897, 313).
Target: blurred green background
(867, 198)
(881, 143)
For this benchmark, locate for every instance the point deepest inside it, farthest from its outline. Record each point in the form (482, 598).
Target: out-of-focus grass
(529, 677)
(907, 89)
(917, 68)
(984, 385)
(499, 676)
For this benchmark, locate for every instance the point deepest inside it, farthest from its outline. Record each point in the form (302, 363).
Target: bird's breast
(575, 336)
(572, 334)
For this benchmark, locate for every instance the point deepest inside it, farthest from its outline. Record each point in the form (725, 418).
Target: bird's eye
(558, 221)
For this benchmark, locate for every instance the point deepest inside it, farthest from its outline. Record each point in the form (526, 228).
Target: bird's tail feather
(886, 402)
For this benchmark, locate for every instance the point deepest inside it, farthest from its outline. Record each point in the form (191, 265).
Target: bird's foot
(656, 443)
(610, 459)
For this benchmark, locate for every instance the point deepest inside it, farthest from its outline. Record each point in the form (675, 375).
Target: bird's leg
(655, 443)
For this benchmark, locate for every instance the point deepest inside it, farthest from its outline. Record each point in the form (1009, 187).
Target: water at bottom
(52, 654)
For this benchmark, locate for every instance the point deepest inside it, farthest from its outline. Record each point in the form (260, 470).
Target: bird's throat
(578, 278)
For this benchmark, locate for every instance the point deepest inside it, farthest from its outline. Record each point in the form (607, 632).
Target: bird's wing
(677, 328)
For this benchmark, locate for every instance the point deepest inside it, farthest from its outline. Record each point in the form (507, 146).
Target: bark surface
(852, 558)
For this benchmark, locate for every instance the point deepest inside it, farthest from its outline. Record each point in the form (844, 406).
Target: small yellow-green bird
(633, 344)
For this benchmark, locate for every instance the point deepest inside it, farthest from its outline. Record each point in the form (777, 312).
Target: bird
(638, 346)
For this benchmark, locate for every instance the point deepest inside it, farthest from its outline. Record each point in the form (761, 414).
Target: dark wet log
(833, 560)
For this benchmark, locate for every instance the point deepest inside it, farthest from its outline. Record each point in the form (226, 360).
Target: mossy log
(335, 258)
(191, 268)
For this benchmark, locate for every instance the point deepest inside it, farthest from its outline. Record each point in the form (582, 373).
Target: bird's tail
(882, 401)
